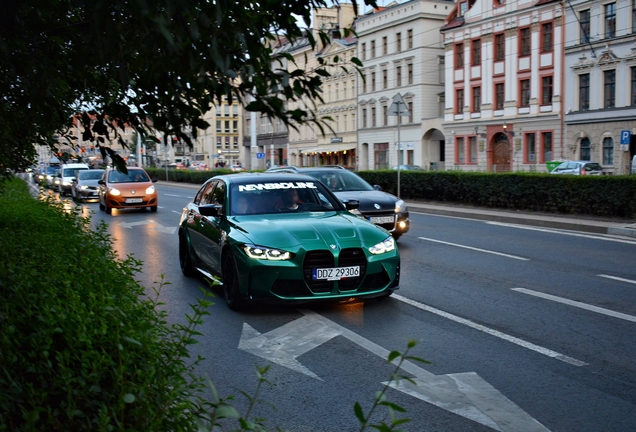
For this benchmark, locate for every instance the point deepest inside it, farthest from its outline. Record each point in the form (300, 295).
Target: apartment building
(600, 83)
(504, 68)
(220, 144)
(402, 52)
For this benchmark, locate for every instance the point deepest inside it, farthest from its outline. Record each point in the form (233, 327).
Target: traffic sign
(626, 136)
(260, 155)
(398, 107)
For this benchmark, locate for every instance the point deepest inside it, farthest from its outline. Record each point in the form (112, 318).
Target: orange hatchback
(132, 190)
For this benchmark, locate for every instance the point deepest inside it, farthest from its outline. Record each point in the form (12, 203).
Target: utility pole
(398, 109)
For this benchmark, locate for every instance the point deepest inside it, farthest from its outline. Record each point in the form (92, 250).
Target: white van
(66, 175)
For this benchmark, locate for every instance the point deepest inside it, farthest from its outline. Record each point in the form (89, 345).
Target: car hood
(308, 230)
(88, 182)
(370, 200)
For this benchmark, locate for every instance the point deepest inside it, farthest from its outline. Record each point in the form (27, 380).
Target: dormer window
(462, 8)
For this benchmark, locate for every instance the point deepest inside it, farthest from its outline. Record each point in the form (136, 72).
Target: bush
(81, 347)
(185, 176)
(612, 196)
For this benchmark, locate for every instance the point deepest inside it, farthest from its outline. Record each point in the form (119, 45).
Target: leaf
(131, 340)
(226, 411)
(393, 406)
(393, 355)
(129, 398)
(357, 409)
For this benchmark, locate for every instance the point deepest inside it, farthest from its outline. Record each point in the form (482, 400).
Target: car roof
(243, 178)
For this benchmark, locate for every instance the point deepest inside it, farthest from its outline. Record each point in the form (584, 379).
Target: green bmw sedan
(274, 237)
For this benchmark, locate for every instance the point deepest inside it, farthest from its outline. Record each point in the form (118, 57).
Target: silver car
(578, 168)
(85, 186)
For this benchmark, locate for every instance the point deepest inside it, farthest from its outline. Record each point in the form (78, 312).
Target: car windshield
(281, 197)
(90, 175)
(340, 180)
(71, 172)
(593, 167)
(133, 176)
(52, 170)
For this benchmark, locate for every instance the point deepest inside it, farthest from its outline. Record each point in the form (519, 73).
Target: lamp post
(398, 109)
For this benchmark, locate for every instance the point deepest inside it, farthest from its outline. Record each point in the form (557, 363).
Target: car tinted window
(281, 197)
(71, 172)
(207, 197)
(593, 167)
(90, 175)
(133, 176)
(346, 180)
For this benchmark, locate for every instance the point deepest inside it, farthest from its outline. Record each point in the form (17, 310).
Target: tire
(230, 282)
(101, 206)
(109, 209)
(185, 261)
(153, 209)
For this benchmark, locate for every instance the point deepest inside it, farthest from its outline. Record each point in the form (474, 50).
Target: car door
(196, 223)
(211, 229)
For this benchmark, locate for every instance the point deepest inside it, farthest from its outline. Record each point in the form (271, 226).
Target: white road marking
(173, 195)
(492, 332)
(564, 232)
(475, 249)
(577, 304)
(617, 278)
(465, 394)
(174, 211)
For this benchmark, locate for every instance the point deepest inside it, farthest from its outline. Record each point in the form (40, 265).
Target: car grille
(374, 282)
(352, 257)
(318, 259)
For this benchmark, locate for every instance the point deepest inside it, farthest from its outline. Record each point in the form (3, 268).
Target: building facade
(402, 52)
(600, 83)
(221, 143)
(504, 68)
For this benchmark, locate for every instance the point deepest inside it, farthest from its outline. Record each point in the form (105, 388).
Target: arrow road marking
(475, 249)
(465, 394)
(577, 304)
(156, 226)
(492, 332)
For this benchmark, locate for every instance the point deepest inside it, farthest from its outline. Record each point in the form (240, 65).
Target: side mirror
(351, 204)
(377, 187)
(74, 179)
(101, 182)
(154, 179)
(214, 210)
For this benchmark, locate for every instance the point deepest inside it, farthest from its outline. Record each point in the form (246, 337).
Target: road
(525, 328)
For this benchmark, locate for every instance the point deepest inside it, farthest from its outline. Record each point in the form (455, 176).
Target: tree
(159, 63)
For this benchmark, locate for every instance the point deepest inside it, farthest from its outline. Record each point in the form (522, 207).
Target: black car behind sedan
(381, 208)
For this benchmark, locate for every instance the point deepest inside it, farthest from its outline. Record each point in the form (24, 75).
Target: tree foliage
(132, 61)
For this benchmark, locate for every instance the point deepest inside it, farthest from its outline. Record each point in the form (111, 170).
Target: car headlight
(384, 246)
(114, 191)
(66, 183)
(150, 190)
(400, 206)
(83, 187)
(264, 253)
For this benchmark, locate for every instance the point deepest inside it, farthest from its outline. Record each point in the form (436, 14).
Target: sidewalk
(548, 220)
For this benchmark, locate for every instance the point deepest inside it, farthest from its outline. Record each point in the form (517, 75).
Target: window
(372, 49)
(218, 111)
(525, 93)
(546, 140)
(472, 149)
(235, 110)
(398, 75)
(460, 101)
(385, 45)
(398, 42)
(409, 39)
(227, 127)
(364, 83)
(235, 126)
(462, 8)
(476, 99)
(345, 125)
(476, 52)
(337, 123)
(460, 151)
(500, 47)
(219, 142)
(409, 106)
(633, 16)
(373, 117)
(546, 95)
(531, 155)
(235, 142)
(546, 37)
(633, 86)
(364, 51)
(218, 126)
(227, 142)
(524, 38)
(586, 151)
(499, 96)
(608, 151)
(584, 20)
(364, 117)
(385, 78)
(372, 81)
(609, 88)
(381, 155)
(226, 110)
(610, 20)
(584, 92)
(385, 115)
(353, 122)
(409, 73)
(459, 56)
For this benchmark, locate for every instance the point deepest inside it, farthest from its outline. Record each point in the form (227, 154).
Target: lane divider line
(577, 304)
(496, 333)
(617, 278)
(603, 237)
(475, 249)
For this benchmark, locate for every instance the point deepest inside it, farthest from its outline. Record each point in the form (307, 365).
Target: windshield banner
(272, 186)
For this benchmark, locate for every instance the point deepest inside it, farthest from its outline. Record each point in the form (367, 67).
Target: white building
(504, 84)
(600, 82)
(402, 52)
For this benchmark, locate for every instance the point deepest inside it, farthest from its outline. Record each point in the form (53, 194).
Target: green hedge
(81, 347)
(612, 196)
(185, 176)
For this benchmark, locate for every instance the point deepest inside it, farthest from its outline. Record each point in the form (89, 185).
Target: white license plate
(133, 200)
(336, 273)
(382, 219)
